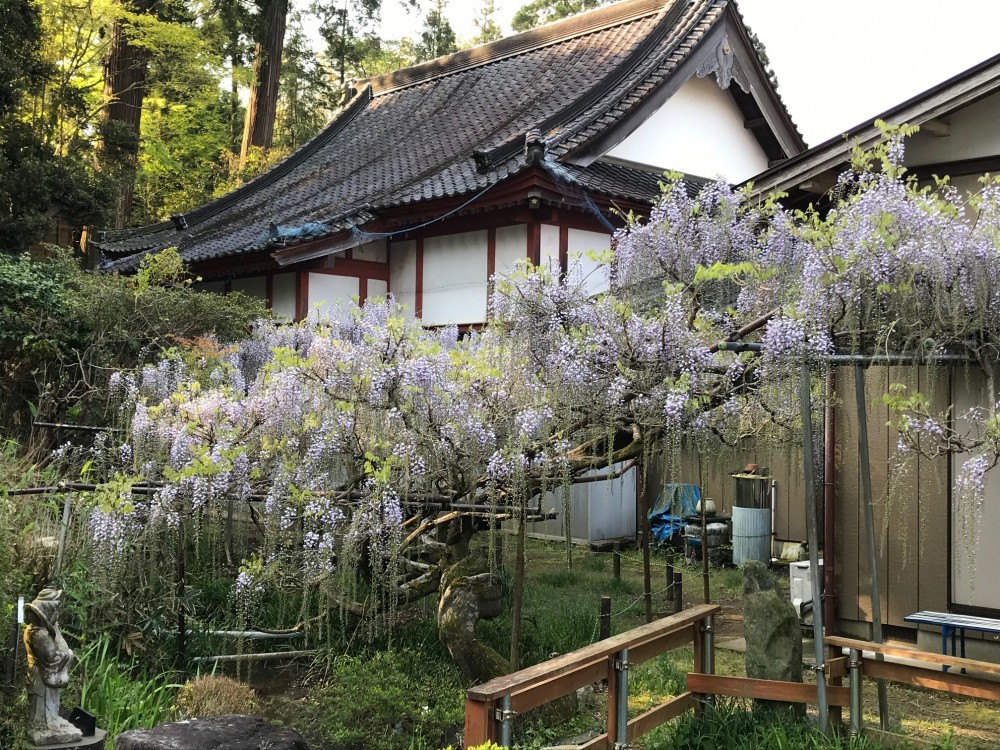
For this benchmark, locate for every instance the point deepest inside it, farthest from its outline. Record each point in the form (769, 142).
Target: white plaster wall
(975, 546)
(283, 291)
(455, 278)
(377, 288)
(974, 133)
(252, 286)
(403, 274)
(327, 291)
(549, 251)
(699, 130)
(375, 252)
(512, 246)
(581, 243)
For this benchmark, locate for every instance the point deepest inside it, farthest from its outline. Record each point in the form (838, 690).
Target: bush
(389, 700)
(63, 331)
(215, 695)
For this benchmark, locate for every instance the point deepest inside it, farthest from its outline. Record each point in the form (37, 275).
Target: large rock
(771, 629)
(216, 733)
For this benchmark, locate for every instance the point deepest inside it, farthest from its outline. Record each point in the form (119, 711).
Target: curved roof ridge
(581, 24)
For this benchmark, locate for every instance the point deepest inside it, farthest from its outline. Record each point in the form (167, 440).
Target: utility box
(800, 587)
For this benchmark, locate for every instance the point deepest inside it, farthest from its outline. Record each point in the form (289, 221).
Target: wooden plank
(558, 686)
(933, 545)
(849, 543)
(771, 690)
(524, 678)
(663, 713)
(660, 645)
(836, 667)
(612, 718)
(876, 386)
(480, 725)
(950, 682)
(902, 507)
(648, 721)
(906, 652)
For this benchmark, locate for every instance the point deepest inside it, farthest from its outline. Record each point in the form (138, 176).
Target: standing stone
(771, 629)
(216, 733)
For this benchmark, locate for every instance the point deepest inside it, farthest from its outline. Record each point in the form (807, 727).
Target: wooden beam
(525, 678)
(937, 128)
(819, 184)
(648, 721)
(756, 122)
(480, 725)
(771, 690)
(907, 652)
(949, 682)
(558, 686)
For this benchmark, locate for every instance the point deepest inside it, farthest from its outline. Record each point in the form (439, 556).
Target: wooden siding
(911, 521)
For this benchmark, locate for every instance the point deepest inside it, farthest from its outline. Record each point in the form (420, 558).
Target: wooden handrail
(519, 681)
(489, 706)
(907, 652)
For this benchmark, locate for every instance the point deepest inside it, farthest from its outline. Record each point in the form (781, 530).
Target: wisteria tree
(370, 449)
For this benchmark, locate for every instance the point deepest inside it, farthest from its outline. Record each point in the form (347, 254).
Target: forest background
(118, 113)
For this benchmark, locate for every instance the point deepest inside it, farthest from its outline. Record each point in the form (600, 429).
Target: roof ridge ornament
(725, 65)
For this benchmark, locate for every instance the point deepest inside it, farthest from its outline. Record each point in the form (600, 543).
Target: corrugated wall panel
(848, 557)
(932, 546)
(902, 507)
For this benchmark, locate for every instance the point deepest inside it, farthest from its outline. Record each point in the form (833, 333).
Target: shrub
(216, 695)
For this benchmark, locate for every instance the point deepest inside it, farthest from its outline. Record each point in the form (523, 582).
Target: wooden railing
(926, 673)
(490, 707)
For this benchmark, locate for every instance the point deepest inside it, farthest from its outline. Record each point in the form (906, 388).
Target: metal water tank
(751, 518)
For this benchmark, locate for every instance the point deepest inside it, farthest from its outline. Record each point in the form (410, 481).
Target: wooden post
(517, 609)
(612, 721)
(480, 723)
(605, 618)
(678, 592)
(647, 576)
(616, 560)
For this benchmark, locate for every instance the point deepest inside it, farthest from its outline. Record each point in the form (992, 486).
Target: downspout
(829, 503)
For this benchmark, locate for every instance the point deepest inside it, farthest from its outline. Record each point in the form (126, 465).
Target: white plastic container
(801, 590)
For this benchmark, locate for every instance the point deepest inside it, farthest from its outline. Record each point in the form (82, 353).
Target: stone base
(55, 731)
(96, 742)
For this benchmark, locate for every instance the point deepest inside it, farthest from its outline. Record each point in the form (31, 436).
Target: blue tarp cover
(666, 517)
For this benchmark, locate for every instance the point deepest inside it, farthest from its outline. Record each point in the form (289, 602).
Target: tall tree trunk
(125, 69)
(258, 129)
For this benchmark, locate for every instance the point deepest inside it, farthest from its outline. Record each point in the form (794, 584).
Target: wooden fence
(490, 707)
(927, 672)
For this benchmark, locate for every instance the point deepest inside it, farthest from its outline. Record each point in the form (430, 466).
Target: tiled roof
(452, 126)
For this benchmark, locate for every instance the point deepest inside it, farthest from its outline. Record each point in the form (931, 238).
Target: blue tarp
(666, 518)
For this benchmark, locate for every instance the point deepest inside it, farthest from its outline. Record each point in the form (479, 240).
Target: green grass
(121, 697)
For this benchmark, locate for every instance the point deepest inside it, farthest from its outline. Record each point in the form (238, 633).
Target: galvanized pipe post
(506, 722)
(854, 666)
(708, 645)
(621, 668)
(812, 532)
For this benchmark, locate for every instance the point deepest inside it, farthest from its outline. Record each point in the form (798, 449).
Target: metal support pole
(678, 591)
(866, 489)
(854, 666)
(708, 645)
(621, 667)
(506, 722)
(812, 532)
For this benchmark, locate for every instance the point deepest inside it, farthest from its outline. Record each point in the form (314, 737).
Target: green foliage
(123, 697)
(487, 28)
(729, 727)
(61, 330)
(386, 700)
(540, 12)
(438, 37)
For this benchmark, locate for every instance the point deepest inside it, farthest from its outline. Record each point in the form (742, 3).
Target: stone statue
(50, 659)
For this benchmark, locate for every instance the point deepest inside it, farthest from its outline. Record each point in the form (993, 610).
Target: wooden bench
(949, 623)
